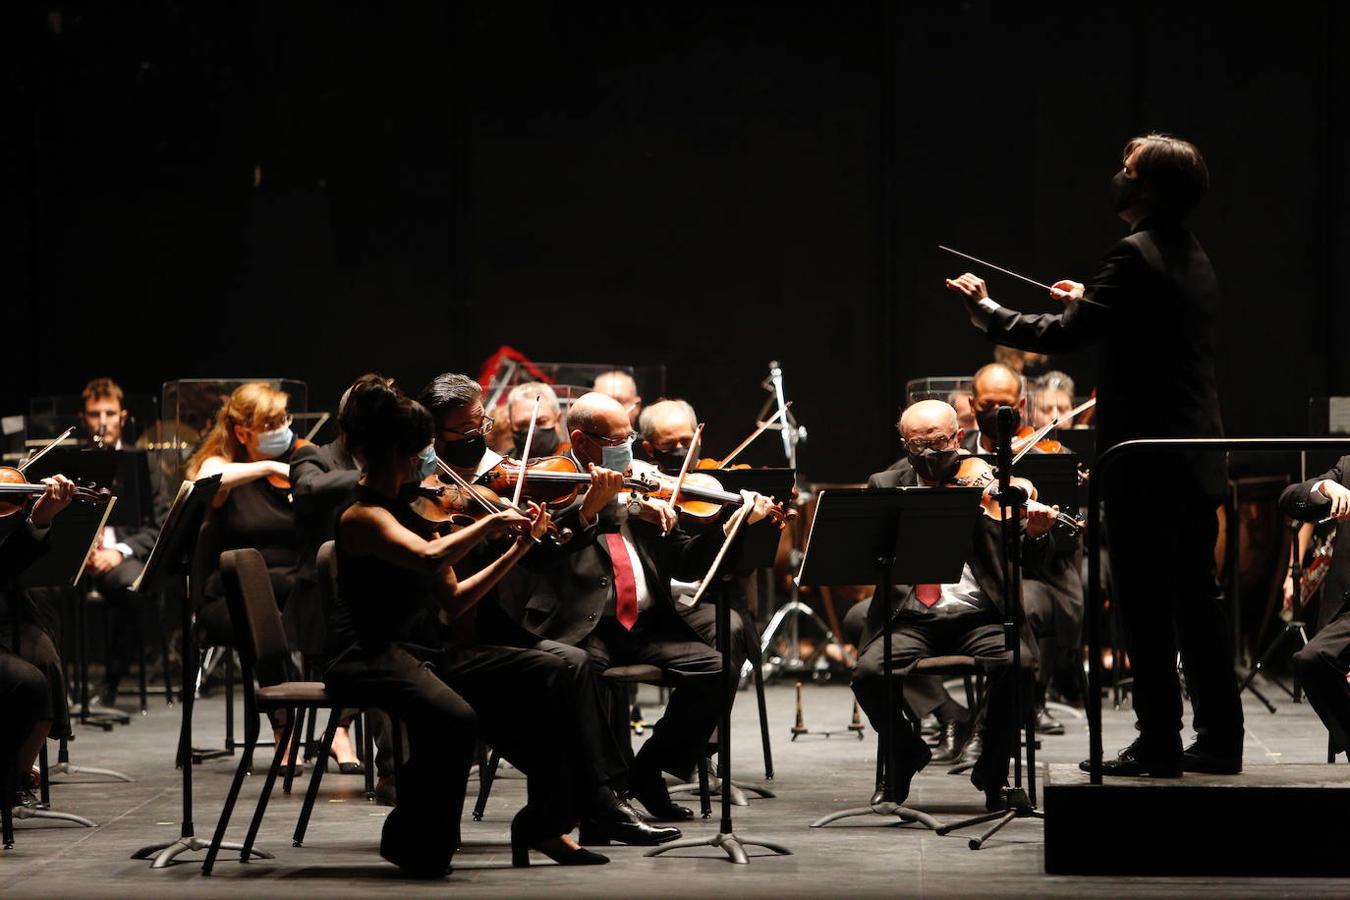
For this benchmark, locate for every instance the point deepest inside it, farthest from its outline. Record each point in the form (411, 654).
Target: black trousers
(1321, 668)
(603, 754)
(25, 700)
(694, 670)
(703, 619)
(524, 701)
(924, 693)
(441, 728)
(124, 610)
(974, 635)
(1162, 573)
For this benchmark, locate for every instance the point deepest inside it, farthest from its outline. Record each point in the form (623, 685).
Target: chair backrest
(259, 635)
(205, 560)
(326, 565)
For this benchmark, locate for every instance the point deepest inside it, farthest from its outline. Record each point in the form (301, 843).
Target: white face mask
(275, 442)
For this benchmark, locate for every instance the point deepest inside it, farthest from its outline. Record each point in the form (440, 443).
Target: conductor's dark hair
(448, 392)
(1175, 169)
(380, 423)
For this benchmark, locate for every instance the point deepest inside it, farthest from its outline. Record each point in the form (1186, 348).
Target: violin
(460, 503)
(550, 480)
(725, 462)
(283, 482)
(16, 490)
(976, 472)
(701, 496)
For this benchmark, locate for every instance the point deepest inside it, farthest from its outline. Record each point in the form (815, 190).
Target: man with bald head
(621, 386)
(611, 595)
(963, 618)
(995, 385)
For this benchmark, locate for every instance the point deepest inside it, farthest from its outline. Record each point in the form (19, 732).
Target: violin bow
(756, 433)
(737, 519)
(45, 450)
(525, 454)
(1034, 438)
(684, 467)
(463, 484)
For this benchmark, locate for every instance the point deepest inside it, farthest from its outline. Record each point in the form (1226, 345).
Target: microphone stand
(1018, 802)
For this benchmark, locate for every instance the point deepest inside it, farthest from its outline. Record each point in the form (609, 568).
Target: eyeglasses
(480, 431)
(612, 442)
(938, 443)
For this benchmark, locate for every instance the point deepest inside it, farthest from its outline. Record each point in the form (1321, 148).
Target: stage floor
(813, 776)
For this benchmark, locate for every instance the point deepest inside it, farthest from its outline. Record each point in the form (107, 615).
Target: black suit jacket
(323, 481)
(141, 538)
(568, 599)
(1153, 304)
(986, 560)
(1297, 503)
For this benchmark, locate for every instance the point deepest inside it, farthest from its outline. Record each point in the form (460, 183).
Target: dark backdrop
(313, 190)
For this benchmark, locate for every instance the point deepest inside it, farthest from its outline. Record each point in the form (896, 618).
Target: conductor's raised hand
(1339, 495)
(969, 286)
(1067, 290)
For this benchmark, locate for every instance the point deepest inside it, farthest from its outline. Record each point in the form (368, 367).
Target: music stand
(72, 535)
(907, 535)
(171, 557)
(726, 838)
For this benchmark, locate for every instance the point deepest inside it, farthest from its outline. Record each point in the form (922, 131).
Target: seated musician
(994, 385)
(547, 430)
(667, 429)
(32, 691)
(404, 622)
(611, 596)
(1324, 664)
(965, 618)
(456, 405)
(621, 386)
(1054, 399)
(1026, 363)
(120, 556)
(250, 447)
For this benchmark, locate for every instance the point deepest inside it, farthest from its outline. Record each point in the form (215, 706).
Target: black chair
(205, 561)
(264, 655)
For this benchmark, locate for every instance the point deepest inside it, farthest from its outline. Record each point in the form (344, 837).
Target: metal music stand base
(24, 812)
(65, 768)
(885, 808)
(738, 790)
(1017, 805)
(733, 846)
(165, 854)
(1292, 630)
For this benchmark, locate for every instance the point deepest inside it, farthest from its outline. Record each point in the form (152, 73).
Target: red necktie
(928, 594)
(625, 585)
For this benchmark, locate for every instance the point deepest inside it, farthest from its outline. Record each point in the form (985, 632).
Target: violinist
(32, 684)
(1054, 399)
(1322, 664)
(404, 622)
(548, 428)
(1155, 288)
(667, 428)
(461, 426)
(610, 595)
(994, 385)
(250, 447)
(117, 561)
(621, 386)
(964, 618)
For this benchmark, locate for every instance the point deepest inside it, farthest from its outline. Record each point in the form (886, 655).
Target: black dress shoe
(1131, 762)
(993, 793)
(969, 755)
(623, 825)
(1047, 723)
(1200, 758)
(953, 740)
(649, 788)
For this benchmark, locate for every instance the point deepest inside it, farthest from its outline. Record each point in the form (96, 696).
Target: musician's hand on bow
(1067, 290)
(507, 521)
(658, 512)
(1339, 496)
(1040, 518)
(60, 491)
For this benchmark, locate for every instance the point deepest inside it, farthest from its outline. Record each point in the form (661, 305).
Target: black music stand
(172, 558)
(726, 838)
(908, 535)
(72, 534)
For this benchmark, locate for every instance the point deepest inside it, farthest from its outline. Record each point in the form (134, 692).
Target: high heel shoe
(522, 842)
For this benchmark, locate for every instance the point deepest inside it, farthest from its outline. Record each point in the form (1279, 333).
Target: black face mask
(936, 465)
(466, 453)
(672, 459)
(545, 441)
(988, 421)
(1124, 191)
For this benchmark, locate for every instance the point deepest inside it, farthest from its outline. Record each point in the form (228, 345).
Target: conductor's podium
(1272, 820)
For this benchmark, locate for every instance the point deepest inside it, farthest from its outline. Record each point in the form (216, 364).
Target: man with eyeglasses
(462, 425)
(963, 618)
